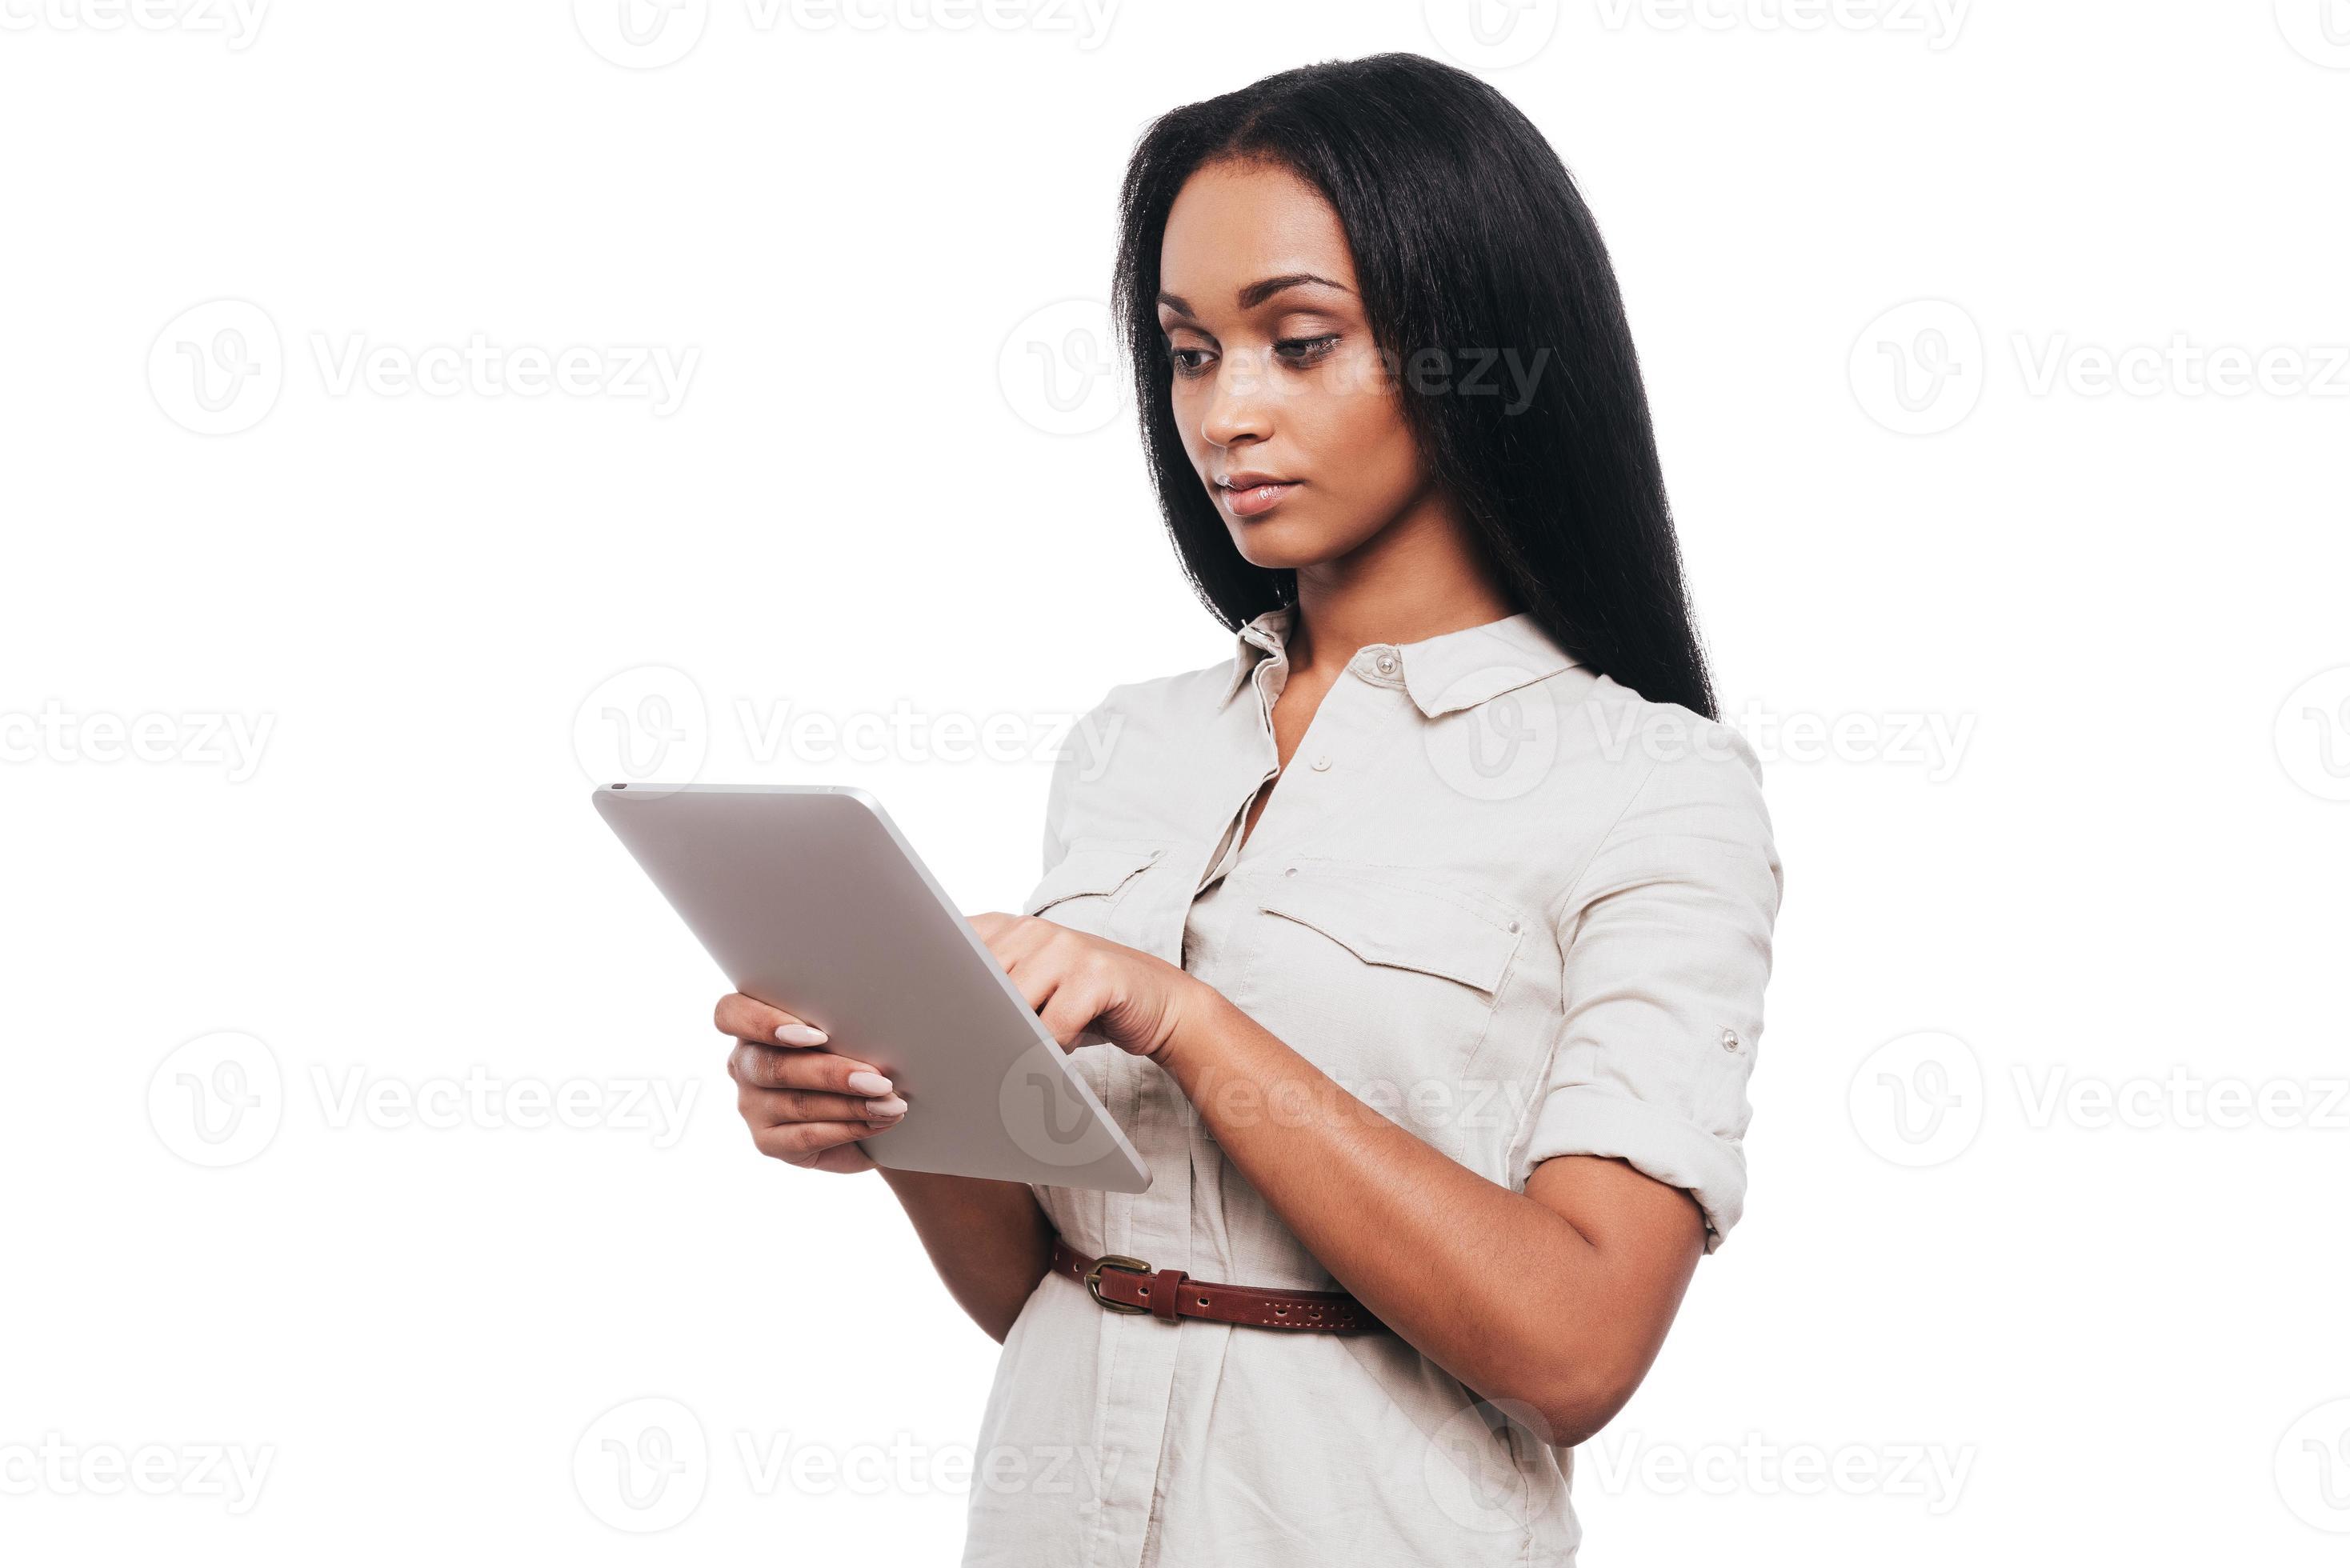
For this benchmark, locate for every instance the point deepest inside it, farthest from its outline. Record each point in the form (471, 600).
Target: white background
(2120, 864)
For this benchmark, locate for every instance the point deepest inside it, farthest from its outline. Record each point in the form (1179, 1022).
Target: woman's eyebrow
(1255, 294)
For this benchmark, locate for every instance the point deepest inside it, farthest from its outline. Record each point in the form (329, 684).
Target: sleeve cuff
(1587, 1119)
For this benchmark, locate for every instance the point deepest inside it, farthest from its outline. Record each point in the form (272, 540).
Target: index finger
(748, 1018)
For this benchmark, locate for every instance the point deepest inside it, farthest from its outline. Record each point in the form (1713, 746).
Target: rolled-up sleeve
(1667, 939)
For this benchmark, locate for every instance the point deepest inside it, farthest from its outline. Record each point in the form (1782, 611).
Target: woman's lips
(1255, 500)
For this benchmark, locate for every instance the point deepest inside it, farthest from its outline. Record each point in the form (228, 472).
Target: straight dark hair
(1471, 243)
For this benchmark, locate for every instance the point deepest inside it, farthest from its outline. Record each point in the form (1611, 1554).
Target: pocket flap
(1399, 925)
(1089, 869)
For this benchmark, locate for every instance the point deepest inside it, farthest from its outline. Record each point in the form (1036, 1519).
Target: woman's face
(1285, 406)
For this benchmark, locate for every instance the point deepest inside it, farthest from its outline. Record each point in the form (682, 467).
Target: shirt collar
(1442, 674)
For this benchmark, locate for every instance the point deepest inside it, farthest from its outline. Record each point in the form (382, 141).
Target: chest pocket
(1389, 983)
(1083, 891)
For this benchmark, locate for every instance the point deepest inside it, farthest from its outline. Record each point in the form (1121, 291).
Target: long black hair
(1470, 242)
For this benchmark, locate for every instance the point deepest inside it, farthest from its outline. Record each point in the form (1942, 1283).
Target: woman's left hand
(1076, 981)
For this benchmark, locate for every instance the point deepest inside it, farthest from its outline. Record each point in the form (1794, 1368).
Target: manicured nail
(866, 1082)
(892, 1106)
(800, 1034)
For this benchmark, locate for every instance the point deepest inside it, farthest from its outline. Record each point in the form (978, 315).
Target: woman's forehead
(1234, 223)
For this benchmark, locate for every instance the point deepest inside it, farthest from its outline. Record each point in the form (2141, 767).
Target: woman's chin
(1284, 544)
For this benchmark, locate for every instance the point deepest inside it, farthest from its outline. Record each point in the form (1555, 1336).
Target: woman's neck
(1416, 579)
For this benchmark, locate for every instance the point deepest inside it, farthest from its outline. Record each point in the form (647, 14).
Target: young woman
(1422, 943)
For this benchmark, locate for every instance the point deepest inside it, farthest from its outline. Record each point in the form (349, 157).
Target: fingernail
(800, 1034)
(862, 1082)
(892, 1106)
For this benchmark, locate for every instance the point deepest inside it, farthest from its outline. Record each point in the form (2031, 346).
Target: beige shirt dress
(1508, 902)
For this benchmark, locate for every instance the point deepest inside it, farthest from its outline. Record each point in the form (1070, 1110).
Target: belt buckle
(1114, 1261)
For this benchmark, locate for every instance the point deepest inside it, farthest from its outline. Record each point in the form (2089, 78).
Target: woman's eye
(1305, 350)
(1189, 361)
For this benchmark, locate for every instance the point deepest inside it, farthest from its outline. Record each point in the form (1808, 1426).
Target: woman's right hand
(805, 1105)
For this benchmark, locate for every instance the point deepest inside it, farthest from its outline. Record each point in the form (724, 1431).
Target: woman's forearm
(1500, 1289)
(989, 1241)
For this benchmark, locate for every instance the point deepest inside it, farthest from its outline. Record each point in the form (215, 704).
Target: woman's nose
(1239, 405)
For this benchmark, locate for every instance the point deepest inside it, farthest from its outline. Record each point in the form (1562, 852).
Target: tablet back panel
(811, 901)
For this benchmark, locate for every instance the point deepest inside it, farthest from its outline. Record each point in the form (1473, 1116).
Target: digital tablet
(811, 901)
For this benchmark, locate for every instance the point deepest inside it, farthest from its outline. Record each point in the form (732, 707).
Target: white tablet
(811, 901)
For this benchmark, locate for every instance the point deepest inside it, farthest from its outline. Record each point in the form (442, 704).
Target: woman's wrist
(1192, 1023)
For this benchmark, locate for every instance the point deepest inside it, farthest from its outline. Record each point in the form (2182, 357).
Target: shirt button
(1385, 664)
(1322, 764)
(1729, 1040)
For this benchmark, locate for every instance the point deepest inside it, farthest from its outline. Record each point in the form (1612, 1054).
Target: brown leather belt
(1129, 1284)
